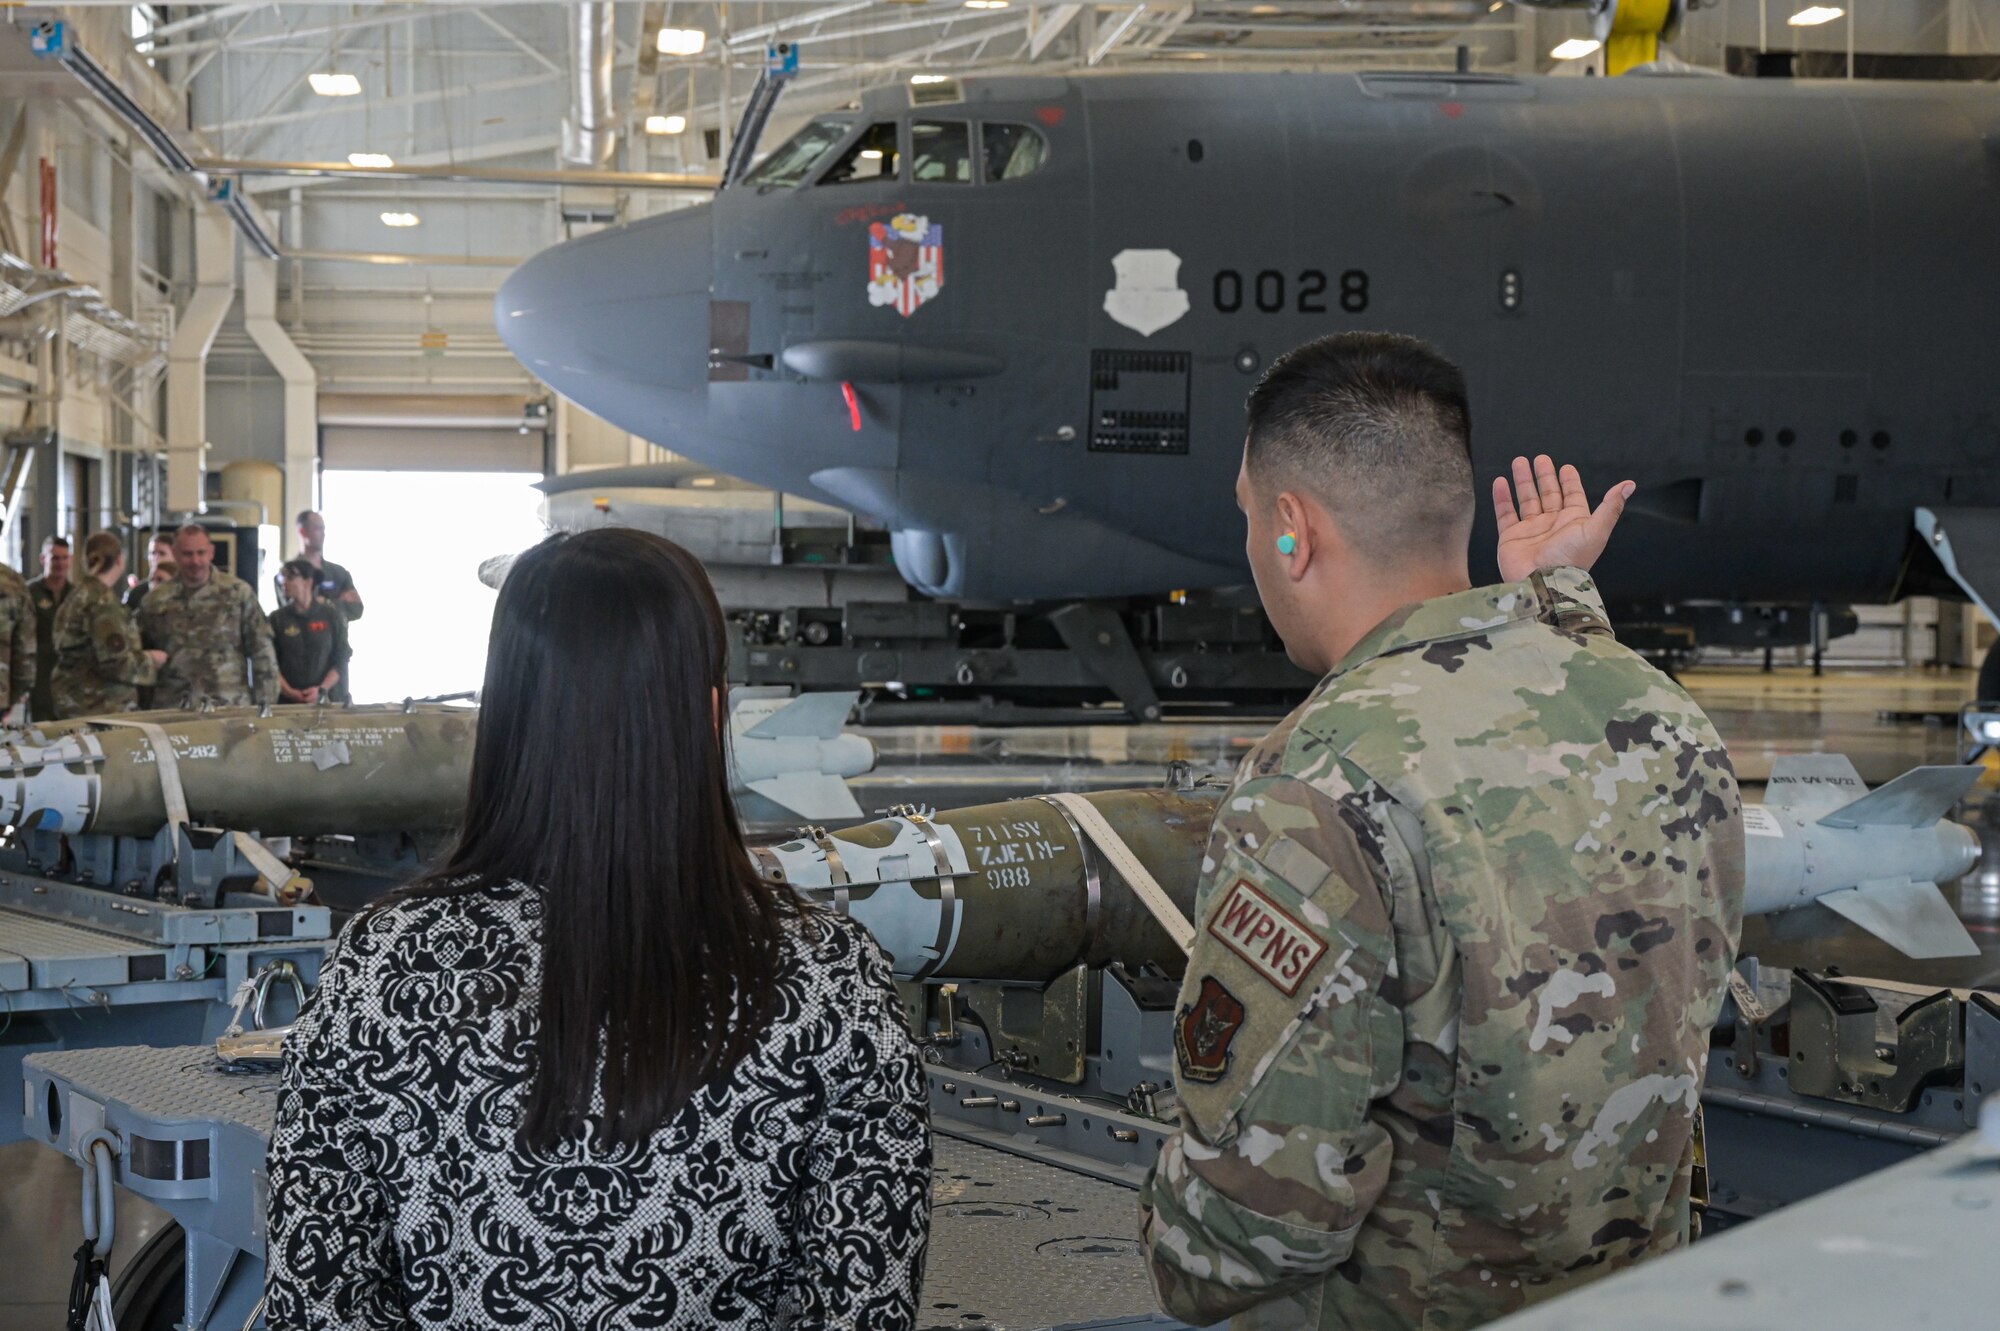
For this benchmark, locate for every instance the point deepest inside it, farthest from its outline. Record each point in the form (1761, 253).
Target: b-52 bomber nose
(617, 319)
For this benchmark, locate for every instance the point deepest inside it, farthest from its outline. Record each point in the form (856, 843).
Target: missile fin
(1917, 798)
(810, 795)
(808, 716)
(1819, 782)
(1913, 918)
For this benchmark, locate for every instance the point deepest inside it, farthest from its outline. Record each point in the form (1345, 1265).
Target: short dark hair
(1377, 427)
(298, 568)
(305, 513)
(51, 542)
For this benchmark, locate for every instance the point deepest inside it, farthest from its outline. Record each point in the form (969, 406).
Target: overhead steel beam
(750, 37)
(499, 175)
(518, 41)
(408, 15)
(1051, 27)
(207, 16)
(362, 104)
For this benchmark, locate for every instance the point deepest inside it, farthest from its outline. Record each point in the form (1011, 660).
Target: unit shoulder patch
(1277, 944)
(1204, 1030)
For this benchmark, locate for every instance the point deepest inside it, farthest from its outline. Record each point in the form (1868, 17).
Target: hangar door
(417, 493)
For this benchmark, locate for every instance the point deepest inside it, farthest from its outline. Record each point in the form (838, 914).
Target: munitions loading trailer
(1049, 1104)
(111, 940)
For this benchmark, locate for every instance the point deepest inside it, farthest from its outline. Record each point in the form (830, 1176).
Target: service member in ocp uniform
(1466, 915)
(47, 593)
(310, 636)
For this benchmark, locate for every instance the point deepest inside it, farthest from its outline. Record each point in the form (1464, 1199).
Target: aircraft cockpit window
(1013, 151)
(941, 152)
(794, 159)
(873, 156)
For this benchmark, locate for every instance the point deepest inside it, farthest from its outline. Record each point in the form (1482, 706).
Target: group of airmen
(191, 635)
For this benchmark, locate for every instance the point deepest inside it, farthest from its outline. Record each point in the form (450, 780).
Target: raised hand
(1552, 524)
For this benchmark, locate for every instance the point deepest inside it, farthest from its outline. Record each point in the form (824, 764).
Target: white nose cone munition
(1875, 857)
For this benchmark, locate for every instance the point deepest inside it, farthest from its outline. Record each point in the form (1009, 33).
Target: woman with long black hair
(594, 1072)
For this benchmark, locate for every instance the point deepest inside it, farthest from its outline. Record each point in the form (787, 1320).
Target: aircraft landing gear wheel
(150, 1293)
(1989, 676)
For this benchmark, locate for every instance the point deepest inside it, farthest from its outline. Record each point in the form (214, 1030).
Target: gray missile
(1876, 857)
(1014, 892)
(792, 755)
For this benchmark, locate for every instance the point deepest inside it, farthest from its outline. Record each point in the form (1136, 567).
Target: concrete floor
(1759, 716)
(41, 1224)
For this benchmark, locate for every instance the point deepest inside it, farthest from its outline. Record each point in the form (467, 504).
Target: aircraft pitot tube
(321, 771)
(1017, 892)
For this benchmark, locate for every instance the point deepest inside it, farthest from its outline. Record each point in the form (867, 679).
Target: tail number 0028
(1269, 291)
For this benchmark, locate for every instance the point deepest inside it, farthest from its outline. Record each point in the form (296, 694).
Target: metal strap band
(1128, 866)
(836, 871)
(268, 866)
(1093, 882)
(164, 759)
(947, 894)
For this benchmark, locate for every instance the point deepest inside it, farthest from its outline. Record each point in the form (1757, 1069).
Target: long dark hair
(601, 778)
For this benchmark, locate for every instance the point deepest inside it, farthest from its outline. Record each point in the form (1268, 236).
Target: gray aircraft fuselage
(1770, 303)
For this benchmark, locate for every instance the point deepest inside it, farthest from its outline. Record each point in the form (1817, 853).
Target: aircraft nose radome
(575, 308)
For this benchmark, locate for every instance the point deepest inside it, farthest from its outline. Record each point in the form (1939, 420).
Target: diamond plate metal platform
(1015, 1243)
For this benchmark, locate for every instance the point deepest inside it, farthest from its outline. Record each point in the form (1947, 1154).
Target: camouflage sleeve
(13, 613)
(259, 650)
(114, 644)
(27, 644)
(1282, 1039)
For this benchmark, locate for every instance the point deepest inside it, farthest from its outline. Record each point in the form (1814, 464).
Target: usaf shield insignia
(1204, 1029)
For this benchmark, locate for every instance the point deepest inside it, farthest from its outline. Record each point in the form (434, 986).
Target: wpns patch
(1204, 1030)
(1276, 943)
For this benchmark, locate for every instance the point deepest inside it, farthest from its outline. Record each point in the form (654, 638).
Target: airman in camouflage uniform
(99, 661)
(17, 639)
(217, 640)
(1464, 924)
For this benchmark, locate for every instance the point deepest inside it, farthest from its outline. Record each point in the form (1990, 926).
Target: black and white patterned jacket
(793, 1193)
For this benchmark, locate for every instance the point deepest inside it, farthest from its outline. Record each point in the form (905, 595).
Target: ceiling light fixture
(986, 4)
(871, 154)
(666, 124)
(399, 219)
(680, 41)
(334, 85)
(928, 78)
(380, 161)
(1576, 48)
(1814, 15)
